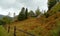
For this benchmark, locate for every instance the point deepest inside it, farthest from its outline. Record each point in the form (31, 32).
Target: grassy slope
(3, 32)
(55, 9)
(30, 25)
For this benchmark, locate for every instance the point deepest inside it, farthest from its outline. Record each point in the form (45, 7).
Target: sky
(14, 6)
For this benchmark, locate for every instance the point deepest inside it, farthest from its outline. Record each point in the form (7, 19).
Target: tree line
(25, 14)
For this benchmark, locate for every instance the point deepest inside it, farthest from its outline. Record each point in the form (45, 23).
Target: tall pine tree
(38, 12)
(21, 15)
(26, 13)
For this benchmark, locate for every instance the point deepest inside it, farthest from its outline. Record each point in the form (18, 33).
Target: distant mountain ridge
(1, 16)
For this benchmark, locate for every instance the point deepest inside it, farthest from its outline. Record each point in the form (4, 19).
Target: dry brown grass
(36, 26)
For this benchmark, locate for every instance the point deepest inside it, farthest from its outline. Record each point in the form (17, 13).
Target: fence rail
(20, 31)
(25, 32)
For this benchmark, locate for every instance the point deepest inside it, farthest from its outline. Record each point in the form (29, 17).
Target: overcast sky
(12, 6)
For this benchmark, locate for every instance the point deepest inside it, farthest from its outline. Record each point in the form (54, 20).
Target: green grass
(55, 9)
(3, 32)
(56, 30)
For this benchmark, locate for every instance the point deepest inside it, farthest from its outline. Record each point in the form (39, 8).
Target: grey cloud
(32, 4)
(5, 5)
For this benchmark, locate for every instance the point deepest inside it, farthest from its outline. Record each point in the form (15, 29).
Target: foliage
(46, 14)
(31, 14)
(51, 3)
(38, 12)
(2, 22)
(21, 15)
(26, 13)
(55, 9)
(7, 19)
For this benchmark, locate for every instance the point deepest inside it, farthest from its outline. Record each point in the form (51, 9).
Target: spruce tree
(21, 15)
(26, 13)
(31, 14)
(38, 12)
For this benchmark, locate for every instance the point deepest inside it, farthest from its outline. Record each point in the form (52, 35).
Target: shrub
(38, 12)
(2, 22)
(46, 15)
(31, 14)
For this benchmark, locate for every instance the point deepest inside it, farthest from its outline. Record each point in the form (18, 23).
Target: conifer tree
(38, 12)
(21, 15)
(31, 14)
(26, 13)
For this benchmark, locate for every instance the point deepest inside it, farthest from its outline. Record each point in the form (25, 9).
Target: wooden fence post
(14, 30)
(8, 28)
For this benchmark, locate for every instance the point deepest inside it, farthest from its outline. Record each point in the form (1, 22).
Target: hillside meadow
(32, 24)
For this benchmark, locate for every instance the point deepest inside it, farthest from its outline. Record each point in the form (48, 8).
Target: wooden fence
(20, 31)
